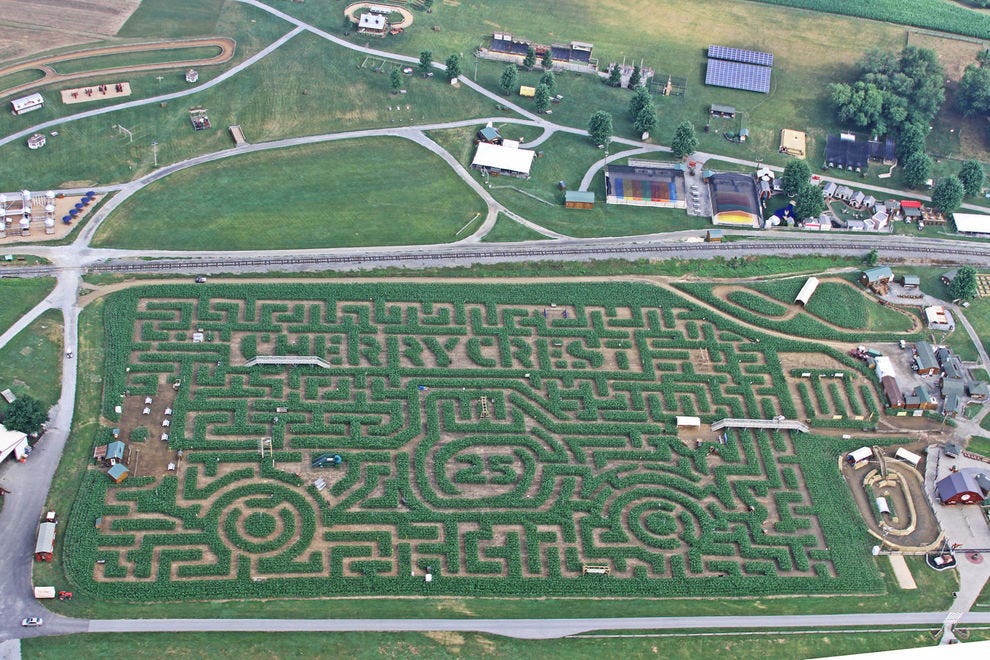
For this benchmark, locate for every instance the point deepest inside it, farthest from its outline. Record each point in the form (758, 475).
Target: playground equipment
(327, 460)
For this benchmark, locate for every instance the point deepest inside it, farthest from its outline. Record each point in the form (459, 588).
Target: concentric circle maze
(511, 439)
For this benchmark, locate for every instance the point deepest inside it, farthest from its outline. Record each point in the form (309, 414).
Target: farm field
(455, 463)
(313, 196)
(69, 25)
(473, 645)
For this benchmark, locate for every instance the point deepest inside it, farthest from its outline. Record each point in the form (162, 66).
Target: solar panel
(735, 75)
(740, 55)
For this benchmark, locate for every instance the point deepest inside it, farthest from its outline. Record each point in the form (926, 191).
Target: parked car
(201, 279)
(32, 621)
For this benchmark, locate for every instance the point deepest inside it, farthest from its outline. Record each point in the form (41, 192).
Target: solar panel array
(736, 75)
(740, 55)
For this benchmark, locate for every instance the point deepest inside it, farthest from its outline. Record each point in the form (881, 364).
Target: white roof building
(494, 157)
(27, 103)
(804, 295)
(12, 442)
(375, 22)
(884, 367)
(972, 223)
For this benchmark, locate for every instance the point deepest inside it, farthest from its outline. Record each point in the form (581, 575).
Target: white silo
(49, 225)
(50, 196)
(26, 196)
(25, 226)
(49, 210)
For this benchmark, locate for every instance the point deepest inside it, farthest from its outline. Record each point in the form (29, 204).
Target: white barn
(27, 104)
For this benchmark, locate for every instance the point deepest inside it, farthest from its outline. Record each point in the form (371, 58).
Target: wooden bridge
(310, 360)
(777, 423)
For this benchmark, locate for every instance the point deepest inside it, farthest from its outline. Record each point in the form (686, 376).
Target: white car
(32, 621)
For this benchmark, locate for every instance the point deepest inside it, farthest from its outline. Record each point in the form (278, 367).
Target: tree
(917, 169)
(872, 258)
(974, 91)
(685, 141)
(859, 104)
(963, 285)
(797, 174)
(640, 99)
(542, 98)
(425, 62)
(549, 80)
(972, 176)
(530, 58)
(615, 76)
(947, 194)
(647, 120)
(26, 414)
(635, 78)
(911, 139)
(453, 66)
(509, 80)
(547, 61)
(396, 77)
(809, 202)
(600, 128)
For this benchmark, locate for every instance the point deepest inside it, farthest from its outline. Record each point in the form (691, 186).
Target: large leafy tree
(917, 169)
(425, 62)
(636, 77)
(26, 414)
(911, 139)
(808, 202)
(797, 174)
(600, 127)
(972, 177)
(963, 285)
(640, 99)
(646, 120)
(530, 58)
(509, 80)
(685, 140)
(615, 76)
(453, 66)
(396, 77)
(974, 91)
(892, 90)
(947, 194)
(549, 80)
(542, 98)
(547, 61)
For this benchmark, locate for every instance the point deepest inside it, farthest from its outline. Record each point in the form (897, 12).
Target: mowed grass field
(32, 361)
(19, 296)
(173, 18)
(161, 55)
(375, 191)
(472, 645)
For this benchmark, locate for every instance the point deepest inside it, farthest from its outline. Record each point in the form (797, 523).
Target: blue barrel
(73, 212)
(91, 194)
(66, 219)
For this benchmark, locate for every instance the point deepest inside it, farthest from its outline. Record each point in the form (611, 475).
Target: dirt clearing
(40, 25)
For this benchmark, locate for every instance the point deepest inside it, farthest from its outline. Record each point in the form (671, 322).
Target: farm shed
(939, 318)
(844, 151)
(953, 405)
(661, 187)
(579, 199)
(13, 442)
(118, 473)
(892, 392)
(497, 159)
(960, 488)
(972, 223)
(874, 277)
(911, 281)
(735, 200)
(882, 365)
(489, 134)
(924, 359)
(372, 24)
(793, 143)
(978, 390)
(920, 399)
(859, 455)
(27, 104)
(726, 111)
(45, 546)
(714, 236)
(907, 456)
(808, 290)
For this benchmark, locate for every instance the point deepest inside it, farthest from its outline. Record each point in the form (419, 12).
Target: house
(892, 392)
(939, 318)
(118, 473)
(857, 199)
(911, 281)
(13, 442)
(925, 362)
(27, 103)
(844, 193)
(961, 488)
(828, 190)
(579, 199)
(370, 23)
(490, 135)
(948, 276)
(920, 399)
(877, 279)
(497, 159)
(978, 390)
(44, 548)
(808, 290)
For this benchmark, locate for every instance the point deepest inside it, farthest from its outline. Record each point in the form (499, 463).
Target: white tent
(808, 290)
(972, 223)
(861, 454)
(907, 456)
(503, 159)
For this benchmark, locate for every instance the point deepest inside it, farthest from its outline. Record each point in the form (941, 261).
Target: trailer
(44, 592)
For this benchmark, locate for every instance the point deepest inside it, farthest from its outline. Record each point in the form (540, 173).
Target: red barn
(962, 487)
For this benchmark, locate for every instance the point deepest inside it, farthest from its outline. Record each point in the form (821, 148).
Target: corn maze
(500, 439)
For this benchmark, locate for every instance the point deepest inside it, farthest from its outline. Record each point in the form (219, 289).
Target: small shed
(808, 290)
(911, 281)
(579, 199)
(960, 488)
(44, 549)
(527, 91)
(858, 456)
(952, 450)
(949, 275)
(714, 236)
(892, 392)
(118, 473)
(979, 390)
(489, 134)
(686, 422)
(725, 111)
(876, 275)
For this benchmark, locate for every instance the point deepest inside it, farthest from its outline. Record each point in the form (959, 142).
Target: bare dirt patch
(34, 26)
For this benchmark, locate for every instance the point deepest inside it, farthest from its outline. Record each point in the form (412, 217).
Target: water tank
(25, 223)
(49, 208)
(49, 222)
(50, 195)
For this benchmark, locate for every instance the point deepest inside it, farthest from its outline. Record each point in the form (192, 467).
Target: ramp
(238, 135)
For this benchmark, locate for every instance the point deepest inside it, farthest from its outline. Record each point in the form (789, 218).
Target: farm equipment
(327, 460)
(65, 595)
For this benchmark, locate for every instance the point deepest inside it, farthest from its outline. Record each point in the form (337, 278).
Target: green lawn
(32, 361)
(173, 18)
(978, 315)
(19, 296)
(376, 191)
(507, 230)
(471, 645)
(160, 55)
(19, 78)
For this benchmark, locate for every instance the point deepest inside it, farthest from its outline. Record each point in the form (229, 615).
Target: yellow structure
(528, 92)
(793, 143)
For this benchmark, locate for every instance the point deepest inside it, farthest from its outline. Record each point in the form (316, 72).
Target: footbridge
(310, 360)
(785, 424)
